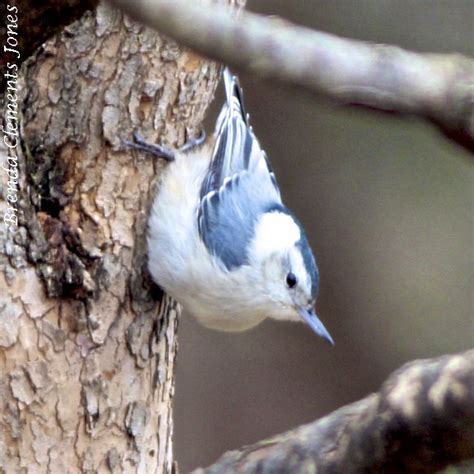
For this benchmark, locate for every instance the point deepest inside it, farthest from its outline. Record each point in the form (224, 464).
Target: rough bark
(87, 344)
(421, 420)
(435, 87)
(37, 21)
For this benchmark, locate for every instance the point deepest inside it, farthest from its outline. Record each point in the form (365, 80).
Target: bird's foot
(194, 142)
(139, 143)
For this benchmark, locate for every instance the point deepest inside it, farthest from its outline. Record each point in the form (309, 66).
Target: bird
(220, 240)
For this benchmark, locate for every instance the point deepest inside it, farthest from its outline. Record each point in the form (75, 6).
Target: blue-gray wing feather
(227, 217)
(240, 184)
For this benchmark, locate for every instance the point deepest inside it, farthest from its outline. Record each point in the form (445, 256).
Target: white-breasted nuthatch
(220, 240)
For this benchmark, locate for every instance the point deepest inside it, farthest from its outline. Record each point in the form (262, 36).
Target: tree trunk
(87, 343)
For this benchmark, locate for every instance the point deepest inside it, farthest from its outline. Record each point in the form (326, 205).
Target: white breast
(179, 262)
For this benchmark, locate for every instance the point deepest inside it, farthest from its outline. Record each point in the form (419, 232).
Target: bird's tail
(236, 148)
(234, 95)
(234, 136)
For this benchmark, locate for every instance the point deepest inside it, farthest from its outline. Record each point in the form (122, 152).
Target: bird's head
(287, 268)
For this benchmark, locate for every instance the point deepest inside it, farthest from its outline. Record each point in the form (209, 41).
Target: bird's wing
(240, 184)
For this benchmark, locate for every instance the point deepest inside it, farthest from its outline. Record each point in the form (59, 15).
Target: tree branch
(438, 88)
(87, 343)
(421, 420)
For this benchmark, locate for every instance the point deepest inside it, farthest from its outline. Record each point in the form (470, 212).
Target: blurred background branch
(438, 88)
(421, 420)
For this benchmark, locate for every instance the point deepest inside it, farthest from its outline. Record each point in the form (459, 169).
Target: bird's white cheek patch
(275, 232)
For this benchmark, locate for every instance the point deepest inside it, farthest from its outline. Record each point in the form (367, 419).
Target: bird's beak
(316, 325)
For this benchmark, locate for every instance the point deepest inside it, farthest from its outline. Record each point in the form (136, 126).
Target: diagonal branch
(436, 87)
(421, 420)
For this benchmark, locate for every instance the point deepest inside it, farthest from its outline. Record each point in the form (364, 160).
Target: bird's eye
(291, 280)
